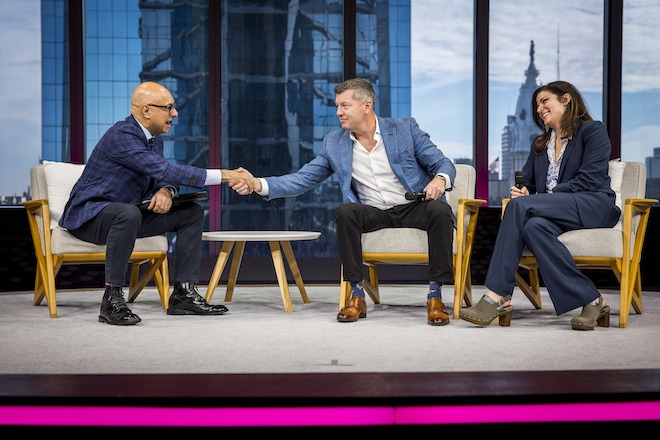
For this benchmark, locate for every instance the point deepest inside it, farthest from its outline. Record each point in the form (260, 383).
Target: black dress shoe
(114, 310)
(185, 300)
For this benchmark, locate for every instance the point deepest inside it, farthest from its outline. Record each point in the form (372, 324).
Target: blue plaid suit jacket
(124, 168)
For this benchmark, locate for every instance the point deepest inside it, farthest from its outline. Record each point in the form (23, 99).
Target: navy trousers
(118, 225)
(535, 221)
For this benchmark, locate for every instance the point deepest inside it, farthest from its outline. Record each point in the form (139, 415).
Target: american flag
(495, 165)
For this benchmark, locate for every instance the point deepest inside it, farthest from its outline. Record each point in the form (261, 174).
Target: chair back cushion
(465, 185)
(628, 180)
(616, 168)
(59, 179)
(633, 182)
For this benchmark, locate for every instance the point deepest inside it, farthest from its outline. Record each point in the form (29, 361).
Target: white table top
(260, 235)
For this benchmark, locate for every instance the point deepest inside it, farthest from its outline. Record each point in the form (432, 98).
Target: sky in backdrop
(20, 91)
(567, 36)
(442, 70)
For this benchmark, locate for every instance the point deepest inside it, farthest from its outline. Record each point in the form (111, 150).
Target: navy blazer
(414, 159)
(124, 168)
(583, 172)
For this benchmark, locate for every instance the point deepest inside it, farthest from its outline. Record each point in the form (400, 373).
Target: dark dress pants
(435, 217)
(536, 221)
(118, 225)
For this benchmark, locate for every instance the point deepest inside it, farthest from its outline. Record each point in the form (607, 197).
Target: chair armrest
(471, 205)
(635, 220)
(40, 233)
(504, 203)
(641, 204)
(637, 208)
(467, 208)
(34, 206)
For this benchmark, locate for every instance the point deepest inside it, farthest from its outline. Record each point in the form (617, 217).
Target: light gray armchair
(51, 184)
(618, 249)
(409, 246)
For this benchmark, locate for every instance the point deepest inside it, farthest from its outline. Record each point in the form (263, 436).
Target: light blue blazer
(413, 157)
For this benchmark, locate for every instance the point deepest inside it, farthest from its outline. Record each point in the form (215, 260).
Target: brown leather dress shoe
(354, 310)
(436, 312)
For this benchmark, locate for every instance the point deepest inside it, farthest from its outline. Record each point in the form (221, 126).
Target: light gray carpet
(257, 336)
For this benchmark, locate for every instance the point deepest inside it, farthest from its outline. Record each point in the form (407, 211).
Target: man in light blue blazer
(378, 161)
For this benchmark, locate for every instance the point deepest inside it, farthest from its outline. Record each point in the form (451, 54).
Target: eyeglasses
(169, 108)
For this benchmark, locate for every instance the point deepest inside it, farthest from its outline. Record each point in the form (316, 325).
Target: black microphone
(412, 195)
(520, 179)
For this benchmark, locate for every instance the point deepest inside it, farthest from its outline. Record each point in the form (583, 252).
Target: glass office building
(253, 83)
(273, 93)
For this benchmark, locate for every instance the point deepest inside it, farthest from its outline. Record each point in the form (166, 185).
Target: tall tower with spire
(519, 131)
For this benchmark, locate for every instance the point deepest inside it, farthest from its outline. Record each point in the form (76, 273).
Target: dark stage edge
(480, 392)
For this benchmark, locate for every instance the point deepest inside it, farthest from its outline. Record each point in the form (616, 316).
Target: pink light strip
(188, 417)
(565, 412)
(325, 416)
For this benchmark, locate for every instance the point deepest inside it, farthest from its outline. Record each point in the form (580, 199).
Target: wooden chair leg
(372, 291)
(467, 295)
(532, 290)
(371, 285)
(164, 274)
(49, 286)
(39, 285)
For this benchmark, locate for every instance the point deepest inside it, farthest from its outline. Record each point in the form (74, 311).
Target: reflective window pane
(531, 43)
(442, 74)
(133, 41)
(640, 125)
(280, 64)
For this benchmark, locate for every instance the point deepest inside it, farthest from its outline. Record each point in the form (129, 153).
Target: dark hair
(576, 110)
(362, 89)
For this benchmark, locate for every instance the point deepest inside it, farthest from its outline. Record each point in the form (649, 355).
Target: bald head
(149, 93)
(148, 106)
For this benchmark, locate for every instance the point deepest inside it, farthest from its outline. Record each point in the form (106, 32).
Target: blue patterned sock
(435, 291)
(357, 289)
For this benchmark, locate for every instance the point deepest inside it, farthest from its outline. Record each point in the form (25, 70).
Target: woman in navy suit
(567, 187)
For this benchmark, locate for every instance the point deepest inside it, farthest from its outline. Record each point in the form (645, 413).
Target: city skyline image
(567, 45)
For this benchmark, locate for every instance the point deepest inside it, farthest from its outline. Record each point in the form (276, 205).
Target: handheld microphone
(520, 179)
(412, 195)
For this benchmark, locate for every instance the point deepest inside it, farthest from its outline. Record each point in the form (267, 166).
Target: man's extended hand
(240, 180)
(250, 184)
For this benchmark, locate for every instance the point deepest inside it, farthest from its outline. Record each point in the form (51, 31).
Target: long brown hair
(576, 110)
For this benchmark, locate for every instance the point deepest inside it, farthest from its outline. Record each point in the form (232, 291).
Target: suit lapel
(388, 132)
(570, 146)
(345, 146)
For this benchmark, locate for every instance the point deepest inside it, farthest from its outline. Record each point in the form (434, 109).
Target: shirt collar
(145, 131)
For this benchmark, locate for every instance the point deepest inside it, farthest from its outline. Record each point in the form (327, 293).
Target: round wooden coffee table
(279, 241)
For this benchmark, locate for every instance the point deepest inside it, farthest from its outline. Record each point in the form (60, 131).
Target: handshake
(241, 181)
